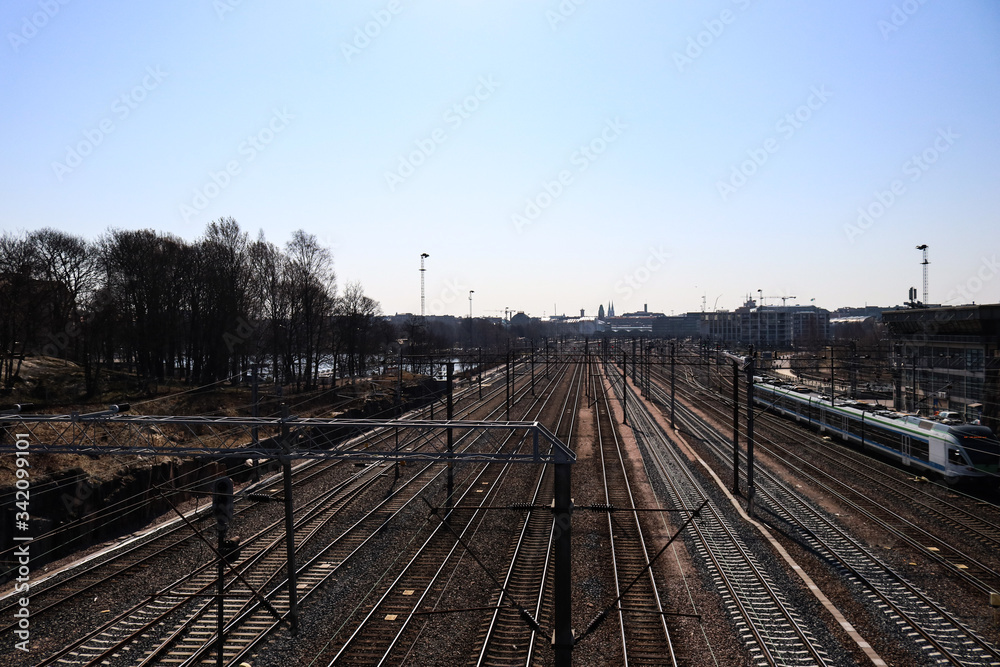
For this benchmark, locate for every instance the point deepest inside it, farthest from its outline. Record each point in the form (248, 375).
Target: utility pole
(222, 508)
(546, 357)
(480, 373)
(562, 545)
(673, 370)
(471, 292)
(750, 485)
(532, 367)
(736, 428)
(718, 364)
(451, 444)
(399, 383)
(633, 358)
(286, 470)
(637, 378)
(704, 356)
(507, 383)
(898, 368)
(832, 377)
(624, 388)
(645, 373)
(255, 412)
(852, 369)
(433, 385)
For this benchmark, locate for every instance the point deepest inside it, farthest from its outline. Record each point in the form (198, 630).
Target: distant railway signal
(222, 502)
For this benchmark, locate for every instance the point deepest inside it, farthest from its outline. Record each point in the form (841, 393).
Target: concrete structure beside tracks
(947, 358)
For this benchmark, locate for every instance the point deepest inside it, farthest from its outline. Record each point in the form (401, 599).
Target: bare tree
(311, 288)
(162, 307)
(357, 320)
(19, 309)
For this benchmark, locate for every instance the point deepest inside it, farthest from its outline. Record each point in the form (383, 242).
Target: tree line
(161, 307)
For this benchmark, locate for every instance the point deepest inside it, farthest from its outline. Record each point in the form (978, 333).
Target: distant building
(677, 326)
(767, 326)
(632, 323)
(519, 318)
(852, 326)
(947, 358)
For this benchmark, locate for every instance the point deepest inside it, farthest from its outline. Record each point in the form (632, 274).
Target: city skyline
(557, 153)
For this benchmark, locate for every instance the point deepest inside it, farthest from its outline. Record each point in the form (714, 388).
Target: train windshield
(979, 442)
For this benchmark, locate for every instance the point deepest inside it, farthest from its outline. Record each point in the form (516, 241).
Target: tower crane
(783, 299)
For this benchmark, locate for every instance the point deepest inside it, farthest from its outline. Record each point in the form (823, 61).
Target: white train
(957, 452)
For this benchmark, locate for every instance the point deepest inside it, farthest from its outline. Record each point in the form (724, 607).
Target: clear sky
(545, 154)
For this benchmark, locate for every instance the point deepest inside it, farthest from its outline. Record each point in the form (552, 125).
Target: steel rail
(984, 578)
(770, 629)
(413, 578)
(937, 628)
(618, 493)
(311, 577)
(276, 526)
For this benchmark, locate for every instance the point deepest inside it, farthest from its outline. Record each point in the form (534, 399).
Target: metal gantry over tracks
(286, 438)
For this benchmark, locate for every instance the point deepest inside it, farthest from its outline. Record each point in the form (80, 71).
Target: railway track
(772, 631)
(387, 629)
(252, 626)
(102, 641)
(945, 517)
(188, 600)
(55, 592)
(642, 621)
(505, 638)
(934, 633)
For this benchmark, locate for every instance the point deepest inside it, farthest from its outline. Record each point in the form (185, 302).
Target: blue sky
(545, 154)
